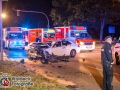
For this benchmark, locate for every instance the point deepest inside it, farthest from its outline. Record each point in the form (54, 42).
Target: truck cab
(13, 38)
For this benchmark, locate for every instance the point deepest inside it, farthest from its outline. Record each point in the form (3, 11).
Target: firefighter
(107, 63)
(38, 39)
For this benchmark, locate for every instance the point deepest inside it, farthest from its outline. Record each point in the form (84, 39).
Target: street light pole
(1, 43)
(33, 12)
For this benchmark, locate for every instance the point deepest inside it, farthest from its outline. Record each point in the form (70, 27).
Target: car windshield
(78, 34)
(15, 36)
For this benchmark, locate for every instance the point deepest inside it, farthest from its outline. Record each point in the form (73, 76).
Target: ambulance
(43, 33)
(80, 35)
(13, 38)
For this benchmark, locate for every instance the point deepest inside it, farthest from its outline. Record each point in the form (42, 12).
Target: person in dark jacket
(119, 40)
(38, 39)
(107, 63)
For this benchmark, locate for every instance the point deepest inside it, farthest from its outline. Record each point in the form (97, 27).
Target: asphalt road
(87, 62)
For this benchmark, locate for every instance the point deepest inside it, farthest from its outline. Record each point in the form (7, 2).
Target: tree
(95, 13)
(97, 10)
(62, 12)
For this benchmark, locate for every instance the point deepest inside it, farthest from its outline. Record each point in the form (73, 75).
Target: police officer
(107, 62)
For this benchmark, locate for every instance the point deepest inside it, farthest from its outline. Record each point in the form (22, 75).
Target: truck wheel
(73, 53)
(117, 58)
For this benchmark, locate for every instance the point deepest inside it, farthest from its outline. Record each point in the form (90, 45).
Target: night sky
(28, 20)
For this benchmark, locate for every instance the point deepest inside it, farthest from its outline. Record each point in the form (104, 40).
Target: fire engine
(13, 38)
(82, 38)
(44, 34)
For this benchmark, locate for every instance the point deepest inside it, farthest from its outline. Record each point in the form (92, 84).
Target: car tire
(44, 60)
(72, 53)
(117, 58)
(90, 50)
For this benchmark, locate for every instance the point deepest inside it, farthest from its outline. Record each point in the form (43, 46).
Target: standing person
(119, 40)
(107, 63)
(37, 39)
(115, 40)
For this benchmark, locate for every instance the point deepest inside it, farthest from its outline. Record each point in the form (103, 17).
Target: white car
(64, 48)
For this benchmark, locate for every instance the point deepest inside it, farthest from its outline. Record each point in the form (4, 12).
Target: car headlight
(93, 43)
(81, 43)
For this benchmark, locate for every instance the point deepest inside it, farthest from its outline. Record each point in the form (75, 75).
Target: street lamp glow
(3, 15)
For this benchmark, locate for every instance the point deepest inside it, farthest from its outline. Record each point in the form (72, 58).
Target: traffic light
(18, 12)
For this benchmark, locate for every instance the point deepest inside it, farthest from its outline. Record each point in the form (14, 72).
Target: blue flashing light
(85, 27)
(25, 29)
(74, 27)
(8, 29)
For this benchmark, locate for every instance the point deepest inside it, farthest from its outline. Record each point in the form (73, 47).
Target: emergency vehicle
(43, 33)
(82, 38)
(13, 38)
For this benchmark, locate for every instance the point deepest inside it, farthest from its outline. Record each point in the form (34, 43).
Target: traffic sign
(111, 29)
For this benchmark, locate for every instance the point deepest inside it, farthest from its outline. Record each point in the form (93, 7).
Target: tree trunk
(101, 29)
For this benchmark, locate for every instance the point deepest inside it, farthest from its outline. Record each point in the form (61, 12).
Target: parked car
(117, 53)
(63, 48)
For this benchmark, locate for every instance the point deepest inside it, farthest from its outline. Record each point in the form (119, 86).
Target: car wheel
(90, 50)
(117, 58)
(73, 53)
(44, 60)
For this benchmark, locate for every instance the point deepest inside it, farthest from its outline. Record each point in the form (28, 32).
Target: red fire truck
(13, 38)
(82, 38)
(44, 34)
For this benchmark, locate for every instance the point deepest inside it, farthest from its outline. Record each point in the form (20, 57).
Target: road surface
(85, 70)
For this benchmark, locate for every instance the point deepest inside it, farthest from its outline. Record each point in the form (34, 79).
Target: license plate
(88, 46)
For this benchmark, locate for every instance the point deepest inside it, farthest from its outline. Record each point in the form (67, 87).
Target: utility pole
(1, 42)
(1, 36)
